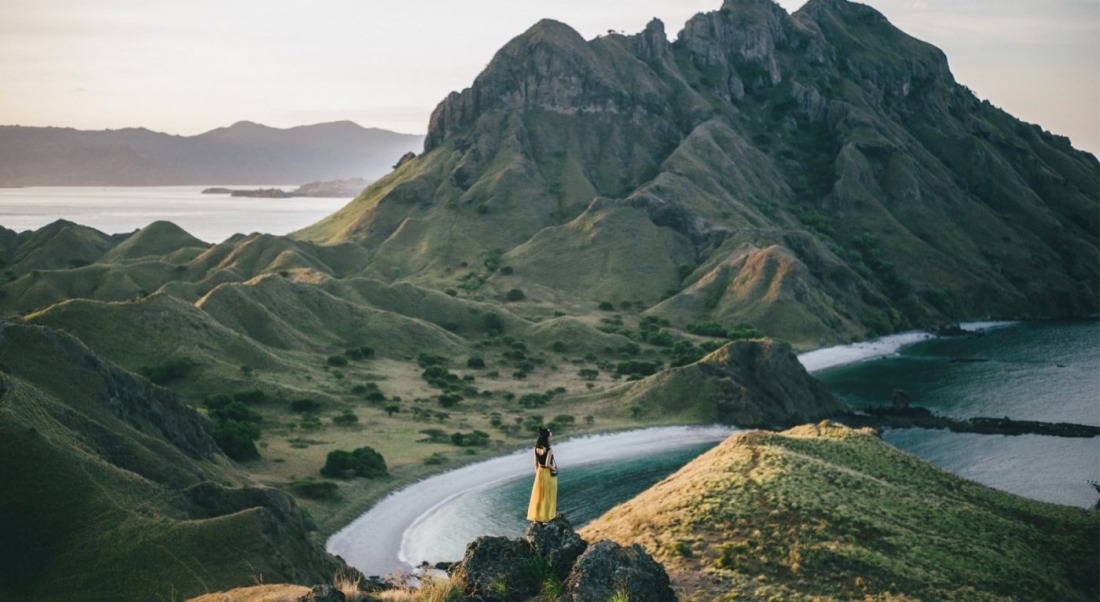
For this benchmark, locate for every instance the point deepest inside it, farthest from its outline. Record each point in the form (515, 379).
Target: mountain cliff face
(244, 153)
(820, 175)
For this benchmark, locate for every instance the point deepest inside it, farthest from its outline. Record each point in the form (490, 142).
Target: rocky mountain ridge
(820, 175)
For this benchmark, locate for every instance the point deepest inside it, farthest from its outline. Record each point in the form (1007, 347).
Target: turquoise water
(1026, 371)
(1046, 371)
(584, 493)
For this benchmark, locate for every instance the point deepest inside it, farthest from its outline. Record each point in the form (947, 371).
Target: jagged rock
(557, 544)
(323, 593)
(497, 569)
(607, 569)
(409, 156)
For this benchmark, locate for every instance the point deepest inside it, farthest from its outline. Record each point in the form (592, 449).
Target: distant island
(327, 189)
(244, 153)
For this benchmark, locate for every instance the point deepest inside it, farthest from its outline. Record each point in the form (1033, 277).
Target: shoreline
(374, 542)
(840, 355)
(368, 541)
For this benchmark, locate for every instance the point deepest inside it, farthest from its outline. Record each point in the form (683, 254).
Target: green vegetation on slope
(827, 512)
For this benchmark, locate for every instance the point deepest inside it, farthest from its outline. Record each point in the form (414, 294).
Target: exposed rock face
(498, 569)
(819, 175)
(608, 569)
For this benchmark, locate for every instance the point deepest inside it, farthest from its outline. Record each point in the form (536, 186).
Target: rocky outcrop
(749, 383)
(608, 570)
(552, 557)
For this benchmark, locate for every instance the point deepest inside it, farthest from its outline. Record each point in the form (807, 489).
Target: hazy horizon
(189, 69)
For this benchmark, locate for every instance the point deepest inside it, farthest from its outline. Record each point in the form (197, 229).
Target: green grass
(826, 512)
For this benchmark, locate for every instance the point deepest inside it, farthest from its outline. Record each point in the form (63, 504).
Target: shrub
(559, 347)
(305, 404)
(492, 323)
(639, 367)
(316, 490)
(237, 439)
(235, 411)
(337, 361)
(588, 373)
(169, 370)
(449, 400)
(476, 438)
(346, 419)
(475, 362)
(515, 295)
(250, 396)
(362, 462)
(392, 409)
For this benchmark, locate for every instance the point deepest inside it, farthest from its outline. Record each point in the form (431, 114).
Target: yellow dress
(544, 495)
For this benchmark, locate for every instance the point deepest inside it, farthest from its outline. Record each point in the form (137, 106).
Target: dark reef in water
(917, 417)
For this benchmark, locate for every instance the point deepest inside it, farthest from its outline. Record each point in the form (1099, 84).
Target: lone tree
(363, 462)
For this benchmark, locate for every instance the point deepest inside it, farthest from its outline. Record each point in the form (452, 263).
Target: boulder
(607, 570)
(323, 593)
(557, 543)
(497, 569)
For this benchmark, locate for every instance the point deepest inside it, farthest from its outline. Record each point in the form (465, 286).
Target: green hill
(829, 513)
(113, 489)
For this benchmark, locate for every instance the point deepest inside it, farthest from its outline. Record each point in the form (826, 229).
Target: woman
(544, 495)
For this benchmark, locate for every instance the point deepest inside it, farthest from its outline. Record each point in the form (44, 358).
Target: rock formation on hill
(553, 562)
(820, 175)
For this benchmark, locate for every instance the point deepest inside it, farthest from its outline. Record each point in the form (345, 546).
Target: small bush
(346, 419)
(337, 361)
(475, 363)
(305, 405)
(169, 370)
(515, 295)
(316, 490)
(362, 462)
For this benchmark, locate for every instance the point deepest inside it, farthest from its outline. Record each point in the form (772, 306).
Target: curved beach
(373, 542)
(377, 541)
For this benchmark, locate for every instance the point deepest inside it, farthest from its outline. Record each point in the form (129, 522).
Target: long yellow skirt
(544, 496)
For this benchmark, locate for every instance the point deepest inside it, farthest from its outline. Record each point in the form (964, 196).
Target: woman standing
(544, 495)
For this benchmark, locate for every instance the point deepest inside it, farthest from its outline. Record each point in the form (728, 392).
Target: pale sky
(185, 67)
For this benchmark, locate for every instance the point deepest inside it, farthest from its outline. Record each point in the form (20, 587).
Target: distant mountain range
(244, 153)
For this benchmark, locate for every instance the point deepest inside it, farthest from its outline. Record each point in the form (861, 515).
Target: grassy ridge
(827, 512)
(113, 489)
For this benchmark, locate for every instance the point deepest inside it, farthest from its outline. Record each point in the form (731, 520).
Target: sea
(1047, 371)
(117, 210)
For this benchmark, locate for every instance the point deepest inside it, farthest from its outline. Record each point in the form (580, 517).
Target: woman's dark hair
(544, 437)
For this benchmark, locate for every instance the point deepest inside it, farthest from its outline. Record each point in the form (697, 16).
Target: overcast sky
(185, 67)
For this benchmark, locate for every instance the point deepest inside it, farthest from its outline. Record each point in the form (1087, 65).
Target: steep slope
(820, 175)
(750, 383)
(113, 489)
(244, 153)
(826, 512)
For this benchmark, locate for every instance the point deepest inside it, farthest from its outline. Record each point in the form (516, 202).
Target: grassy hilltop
(824, 512)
